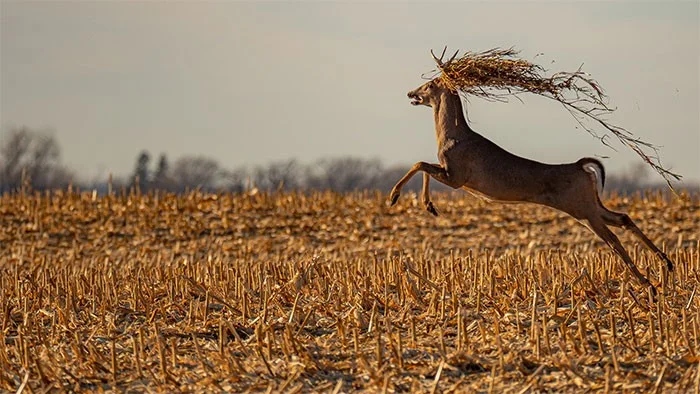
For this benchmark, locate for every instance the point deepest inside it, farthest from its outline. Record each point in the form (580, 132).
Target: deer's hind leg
(598, 226)
(624, 221)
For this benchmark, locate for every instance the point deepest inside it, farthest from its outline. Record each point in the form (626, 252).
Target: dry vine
(498, 74)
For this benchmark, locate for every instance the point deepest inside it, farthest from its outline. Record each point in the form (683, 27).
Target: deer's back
(504, 176)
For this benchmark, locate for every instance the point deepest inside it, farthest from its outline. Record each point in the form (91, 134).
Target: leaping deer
(471, 162)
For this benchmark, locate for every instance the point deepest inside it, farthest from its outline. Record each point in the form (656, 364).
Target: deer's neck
(450, 123)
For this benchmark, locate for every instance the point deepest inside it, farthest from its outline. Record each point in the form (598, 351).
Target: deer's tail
(597, 171)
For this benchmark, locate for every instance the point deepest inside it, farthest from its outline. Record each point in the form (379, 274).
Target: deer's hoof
(394, 198)
(669, 263)
(431, 208)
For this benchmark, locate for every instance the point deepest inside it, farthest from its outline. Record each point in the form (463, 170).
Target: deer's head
(431, 92)
(428, 93)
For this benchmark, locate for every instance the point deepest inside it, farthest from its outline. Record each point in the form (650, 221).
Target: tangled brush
(497, 74)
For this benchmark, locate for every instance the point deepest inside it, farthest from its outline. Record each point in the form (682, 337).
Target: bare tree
(344, 174)
(633, 180)
(190, 172)
(236, 180)
(281, 175)
(13, 155)
(33, 157)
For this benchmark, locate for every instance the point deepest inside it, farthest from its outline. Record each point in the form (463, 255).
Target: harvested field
(337, 293)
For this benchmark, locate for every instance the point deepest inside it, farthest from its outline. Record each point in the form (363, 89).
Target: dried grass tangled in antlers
(498, 74)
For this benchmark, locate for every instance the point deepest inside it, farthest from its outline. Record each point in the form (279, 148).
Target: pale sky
(248, 83)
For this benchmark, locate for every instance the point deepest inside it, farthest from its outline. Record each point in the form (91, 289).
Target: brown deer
(473, 163)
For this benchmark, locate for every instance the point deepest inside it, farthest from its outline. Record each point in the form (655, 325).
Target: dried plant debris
(498, 74)
(326, 292)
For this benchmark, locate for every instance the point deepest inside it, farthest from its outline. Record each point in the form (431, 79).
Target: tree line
(342, 174)
(32, 159)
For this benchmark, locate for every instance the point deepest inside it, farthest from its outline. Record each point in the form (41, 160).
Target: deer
(475, 164)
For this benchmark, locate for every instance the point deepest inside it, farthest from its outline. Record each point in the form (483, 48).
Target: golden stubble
(326, 292)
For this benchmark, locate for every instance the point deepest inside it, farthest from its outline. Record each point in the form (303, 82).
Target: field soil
(333, 293)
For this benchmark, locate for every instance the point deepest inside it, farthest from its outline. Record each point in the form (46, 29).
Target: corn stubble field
(336, 293)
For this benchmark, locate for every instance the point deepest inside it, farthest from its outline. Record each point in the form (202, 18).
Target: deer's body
(501, 175)
(469, 161)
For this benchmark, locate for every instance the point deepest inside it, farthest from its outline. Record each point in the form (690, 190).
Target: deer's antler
(439, 61)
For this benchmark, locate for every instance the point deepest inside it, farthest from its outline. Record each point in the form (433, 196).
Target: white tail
(469, 161)
(595, 167)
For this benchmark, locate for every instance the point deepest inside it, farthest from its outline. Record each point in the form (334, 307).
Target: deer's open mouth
(416, 100)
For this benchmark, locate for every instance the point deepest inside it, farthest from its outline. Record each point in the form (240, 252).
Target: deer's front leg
(425, 195)
(434, 170)
(396, 190)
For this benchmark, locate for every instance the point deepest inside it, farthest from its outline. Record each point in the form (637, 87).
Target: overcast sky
(248, 83)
